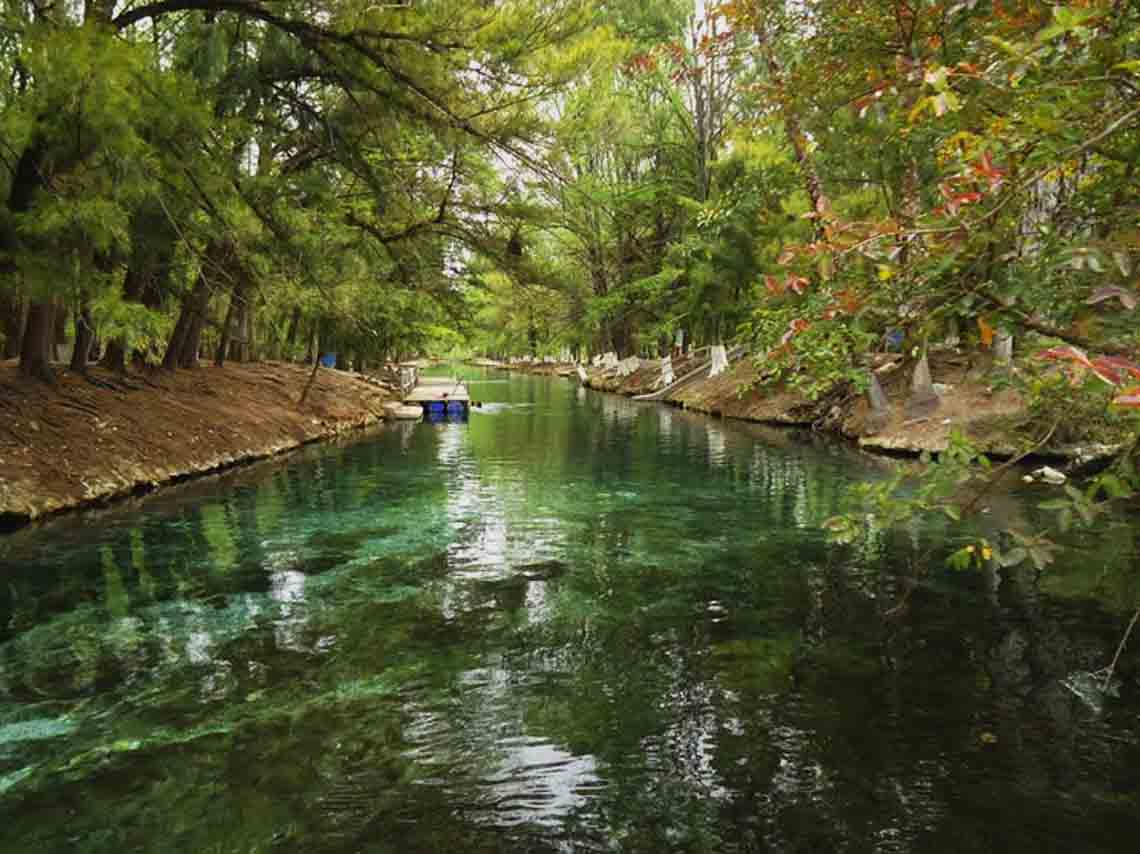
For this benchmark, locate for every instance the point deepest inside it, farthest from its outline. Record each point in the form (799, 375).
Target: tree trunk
(61, 318)
(192, 346)
(227, 324)
(39, 338)
(312, 379)
(187, 332)
(820, 203)
(291, 335)
(312, 353)
(39, 328)
(84, 333)
(239, 349)
(246, 351)
(153, 240)
(15, 315)
(115, 356)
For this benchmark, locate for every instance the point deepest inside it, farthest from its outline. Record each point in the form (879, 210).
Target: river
(576, 623)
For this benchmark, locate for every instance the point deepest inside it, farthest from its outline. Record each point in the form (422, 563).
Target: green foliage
(935, 487)
(1080, 411)
(812, 359)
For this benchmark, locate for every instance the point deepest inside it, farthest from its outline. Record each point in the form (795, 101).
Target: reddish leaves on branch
(791, 282)
(641, 63)
(846, 302)
(1113, 370)
(970, 187)
(985, 168)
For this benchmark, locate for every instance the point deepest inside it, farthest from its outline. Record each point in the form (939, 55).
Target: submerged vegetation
(573, 622)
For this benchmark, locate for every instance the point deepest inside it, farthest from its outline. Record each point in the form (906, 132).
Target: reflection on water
(574, 623)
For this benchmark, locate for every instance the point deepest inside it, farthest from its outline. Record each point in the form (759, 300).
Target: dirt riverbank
(88, 440)
(969, 399)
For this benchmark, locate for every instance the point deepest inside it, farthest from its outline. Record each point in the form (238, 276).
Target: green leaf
(1012, 557)
(1065, 520)
(1113, 486)
(960, 560)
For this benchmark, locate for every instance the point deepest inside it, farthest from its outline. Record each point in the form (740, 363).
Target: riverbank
(88, 440)
(970, 399)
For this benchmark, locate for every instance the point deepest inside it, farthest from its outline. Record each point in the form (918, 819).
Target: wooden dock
(440, 395)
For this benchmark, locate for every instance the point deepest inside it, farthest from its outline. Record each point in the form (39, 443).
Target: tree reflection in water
(575, 623)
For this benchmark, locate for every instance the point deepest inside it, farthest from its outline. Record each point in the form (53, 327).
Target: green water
(574, 624)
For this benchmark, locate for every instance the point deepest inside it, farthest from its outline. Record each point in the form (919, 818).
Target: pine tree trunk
(312, 379)
(84, 335)
(245, 330)
(291, 335)
(312, 353)
(187, 332)
(177, 336)
(15, 314)
(227, 324)
(61, 317)
(193, 343)
(153, 242)
(39, 339)
(115, 356)
(239, 348)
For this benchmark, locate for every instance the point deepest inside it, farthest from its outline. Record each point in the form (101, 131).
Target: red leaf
(796, 283)
(1104, 369)
(1116, 368)
(775, 286)
(794, 328)
(986, 169)
(1067, 353)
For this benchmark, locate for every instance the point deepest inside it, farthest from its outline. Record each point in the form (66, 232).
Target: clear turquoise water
(574, 624)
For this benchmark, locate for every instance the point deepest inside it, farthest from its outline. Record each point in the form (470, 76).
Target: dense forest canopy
(240, 179)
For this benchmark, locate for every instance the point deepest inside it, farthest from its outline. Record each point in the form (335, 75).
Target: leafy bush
(809, 357)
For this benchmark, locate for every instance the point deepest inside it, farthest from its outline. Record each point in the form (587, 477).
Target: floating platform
(402, 412)
(440, 399)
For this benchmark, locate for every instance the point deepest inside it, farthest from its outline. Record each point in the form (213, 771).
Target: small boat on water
(440, 399)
